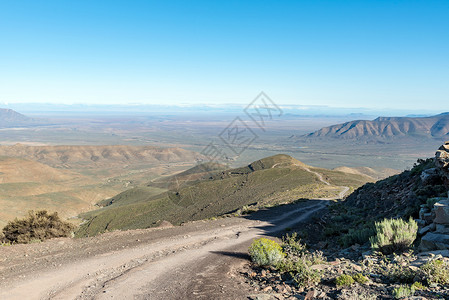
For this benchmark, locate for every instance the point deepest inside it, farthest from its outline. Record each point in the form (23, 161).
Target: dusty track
(193, 261)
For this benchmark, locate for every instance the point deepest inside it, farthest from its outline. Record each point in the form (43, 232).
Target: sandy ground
(194, 261)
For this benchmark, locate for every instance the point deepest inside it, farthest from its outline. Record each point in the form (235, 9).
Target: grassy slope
(272, 180)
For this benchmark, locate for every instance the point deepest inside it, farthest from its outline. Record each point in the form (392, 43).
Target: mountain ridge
(386, 127)
(11, 117)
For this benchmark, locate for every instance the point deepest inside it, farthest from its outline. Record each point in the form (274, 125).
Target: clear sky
(379, 54)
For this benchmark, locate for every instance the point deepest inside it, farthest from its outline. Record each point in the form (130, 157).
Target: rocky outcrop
(434, 219)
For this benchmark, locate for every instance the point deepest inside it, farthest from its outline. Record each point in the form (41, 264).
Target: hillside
(27, 185)
(72, 179)
(99, 156)
(276, 179)
(387, 128)
(370, 172)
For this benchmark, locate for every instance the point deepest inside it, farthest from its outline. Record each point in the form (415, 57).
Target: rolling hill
(196, 194)
(88, 157)
(72, 179)
(386, 128)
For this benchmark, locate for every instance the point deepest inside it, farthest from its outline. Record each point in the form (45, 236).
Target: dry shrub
(37, 226)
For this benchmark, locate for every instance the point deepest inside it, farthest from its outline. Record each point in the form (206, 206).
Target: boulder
(426, 229)
(444, 253)
(442, 212)
(429, 217)
(441, 228)
(430, 175)
(434, 241)
(442, 158)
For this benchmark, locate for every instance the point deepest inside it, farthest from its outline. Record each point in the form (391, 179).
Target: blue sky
(375, 54)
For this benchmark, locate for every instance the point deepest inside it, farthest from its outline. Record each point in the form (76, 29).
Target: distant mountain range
(387, 127)
(10, 117)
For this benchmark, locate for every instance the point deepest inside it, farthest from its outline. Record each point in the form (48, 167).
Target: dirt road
(194, 261)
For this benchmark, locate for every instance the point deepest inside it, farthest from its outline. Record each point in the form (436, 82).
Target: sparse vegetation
(357, 236)
(394, 235)
(418, 286)
(344, 280)
(36, 227)
(403, 291)
(360, 278)
(265, 252)
(436, 271)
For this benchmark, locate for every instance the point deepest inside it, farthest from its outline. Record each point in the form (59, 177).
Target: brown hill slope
(96, 156)
(387, 127)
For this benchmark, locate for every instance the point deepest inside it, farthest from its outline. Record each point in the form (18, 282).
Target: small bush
(417, 286)
(357, 236)
(292, 245)
(265, 252)
(436, 271)
(344, 280)
(394, 235)
(359, 278)
(298, 262)
(304, 276)
(403, 291)
(37, 226)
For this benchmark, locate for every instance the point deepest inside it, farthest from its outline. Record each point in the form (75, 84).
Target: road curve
(193, 261)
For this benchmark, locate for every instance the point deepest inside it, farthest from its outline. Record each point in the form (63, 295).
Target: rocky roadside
(424, 270)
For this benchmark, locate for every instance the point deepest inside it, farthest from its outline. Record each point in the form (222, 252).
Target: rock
(428, 217)
(319, 267)
(429, 176)
(267, 289)
(440, 228)
(335, 262)
(423, 211)
(426, 229)
(442, 158)
(165, 223)
(420, 222)
(355, 247)
(322, 245)
(356, 268)
(434, 241)
(442, 212)
(366, 254)
(265, 297)
(444, 253)
(310, 295)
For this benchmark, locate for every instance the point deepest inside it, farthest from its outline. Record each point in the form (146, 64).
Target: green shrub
(403, 291)
(360, 278)
(291, 244)
(344, 280)
(265, 252)
(298, 262)
(436, 271)
(37, 226)
(394, 235)
(357, 236)
(304, 276)
(417, 286)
